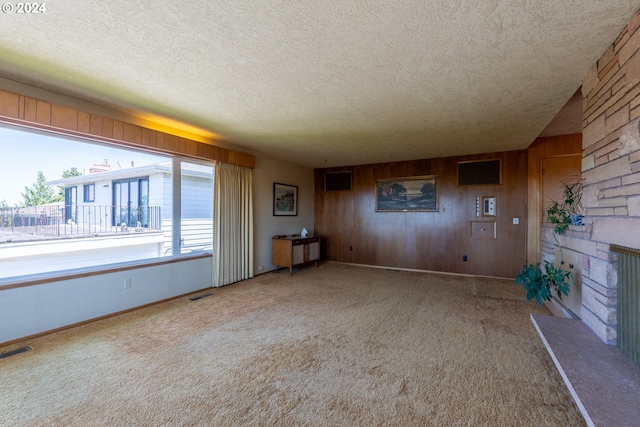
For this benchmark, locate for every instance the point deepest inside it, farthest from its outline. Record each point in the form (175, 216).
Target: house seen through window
(68, 204)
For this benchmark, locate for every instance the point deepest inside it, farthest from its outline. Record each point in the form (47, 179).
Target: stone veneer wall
(611, 173)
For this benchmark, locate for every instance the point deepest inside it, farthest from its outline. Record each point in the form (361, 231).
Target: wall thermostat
(489, 206)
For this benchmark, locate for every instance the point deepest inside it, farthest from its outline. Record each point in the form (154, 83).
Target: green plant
(541, 285)
(559, 217)
(559, 213)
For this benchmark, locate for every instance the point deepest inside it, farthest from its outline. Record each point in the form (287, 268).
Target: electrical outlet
(516, 221)
(261, 268)
(127, 283)
(464, 258)
(350, 248)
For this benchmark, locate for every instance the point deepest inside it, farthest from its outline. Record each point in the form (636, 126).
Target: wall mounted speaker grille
(337, 181)
(479, 172)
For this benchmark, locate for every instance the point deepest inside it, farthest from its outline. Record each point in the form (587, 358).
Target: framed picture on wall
(409, 194)
(285, 199)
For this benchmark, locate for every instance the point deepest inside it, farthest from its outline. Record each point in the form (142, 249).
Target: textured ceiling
(323, 83)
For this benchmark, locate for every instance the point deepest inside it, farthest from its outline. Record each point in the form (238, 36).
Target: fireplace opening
(628, 307)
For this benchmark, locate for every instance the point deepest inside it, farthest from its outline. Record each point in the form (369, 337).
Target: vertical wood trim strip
(30, 105)
(10, 106)
(534, 221)
(84, 122)
(21, 108)
(43, 112)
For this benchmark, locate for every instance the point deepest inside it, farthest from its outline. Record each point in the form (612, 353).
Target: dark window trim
(86, 187)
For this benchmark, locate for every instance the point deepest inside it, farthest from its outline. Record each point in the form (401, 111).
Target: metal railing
(59, 220)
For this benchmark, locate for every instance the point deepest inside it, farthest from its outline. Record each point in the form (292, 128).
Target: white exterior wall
(160, 193)
(197, 197)
(103, 196)
(103, 193)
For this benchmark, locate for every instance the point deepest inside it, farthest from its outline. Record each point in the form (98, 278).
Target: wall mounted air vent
(479, 172)
(337, 181)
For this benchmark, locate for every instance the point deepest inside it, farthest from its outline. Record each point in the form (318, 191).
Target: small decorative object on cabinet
(291, 251)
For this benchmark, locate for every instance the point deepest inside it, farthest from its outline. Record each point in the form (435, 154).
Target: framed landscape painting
(409, 194)
(285, 199)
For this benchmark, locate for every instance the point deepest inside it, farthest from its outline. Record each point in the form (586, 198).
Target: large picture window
(69, 204)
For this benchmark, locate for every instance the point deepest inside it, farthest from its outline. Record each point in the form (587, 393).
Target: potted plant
(567, 211)
(542, 285)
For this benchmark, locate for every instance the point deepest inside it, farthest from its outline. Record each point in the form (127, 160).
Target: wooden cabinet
(290, 251)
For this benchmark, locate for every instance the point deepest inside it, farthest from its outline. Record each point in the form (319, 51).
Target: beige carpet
(334, 346)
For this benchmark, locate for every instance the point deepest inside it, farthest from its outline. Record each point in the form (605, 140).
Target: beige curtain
(232, 224)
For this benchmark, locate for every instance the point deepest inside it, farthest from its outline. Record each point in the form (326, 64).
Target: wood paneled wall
(37, 114)
(552, 146)
(354, 232)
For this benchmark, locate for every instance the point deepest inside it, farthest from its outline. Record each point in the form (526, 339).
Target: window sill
(38, 279)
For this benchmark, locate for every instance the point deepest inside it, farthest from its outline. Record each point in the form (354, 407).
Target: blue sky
(24, 153)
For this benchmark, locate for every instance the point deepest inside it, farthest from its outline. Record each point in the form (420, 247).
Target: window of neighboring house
(196, 214)
(70, 203)
(89, 192)
(125, 212)
(131, 202)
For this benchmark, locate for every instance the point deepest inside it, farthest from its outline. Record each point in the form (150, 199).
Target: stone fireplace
(611, 174)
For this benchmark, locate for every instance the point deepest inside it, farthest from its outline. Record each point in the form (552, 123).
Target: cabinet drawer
(305, 240)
